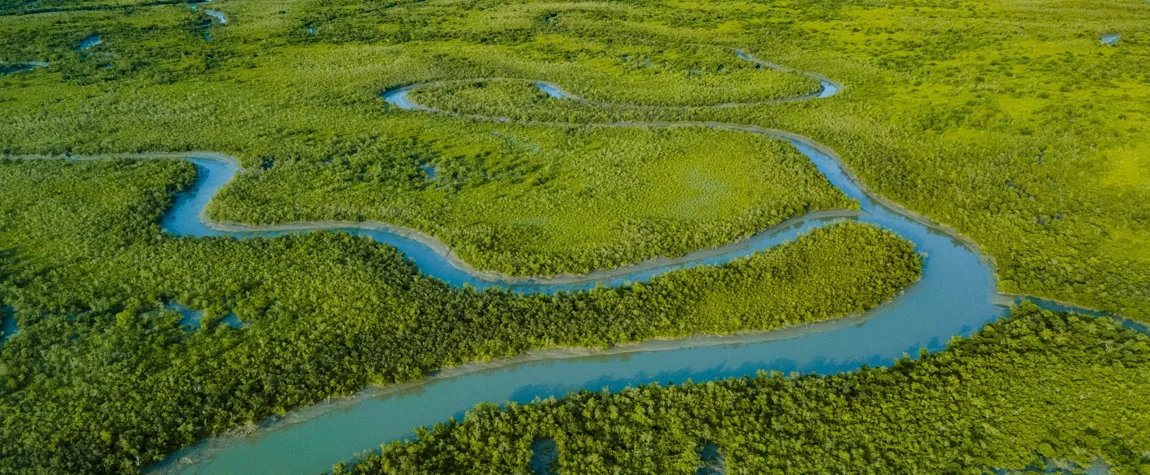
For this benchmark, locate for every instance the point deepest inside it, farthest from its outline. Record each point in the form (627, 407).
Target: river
(955, 297)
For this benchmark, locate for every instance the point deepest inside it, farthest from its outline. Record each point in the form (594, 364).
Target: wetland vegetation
(1011, 122)
(103, 377)
(1037, 385)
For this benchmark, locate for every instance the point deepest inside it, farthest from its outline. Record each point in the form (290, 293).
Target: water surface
(219, 16)
(8, 326)
(193, 319)
(955, 297)
(90, 41)
(6, 68)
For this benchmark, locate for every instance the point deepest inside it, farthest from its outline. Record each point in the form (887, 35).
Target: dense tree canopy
(102, 378)
(1009, 121)
(1038, 386)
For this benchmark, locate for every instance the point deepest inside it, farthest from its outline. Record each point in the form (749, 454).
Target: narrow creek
(956, 296)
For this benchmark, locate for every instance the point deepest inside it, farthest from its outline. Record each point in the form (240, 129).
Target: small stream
(955, 297)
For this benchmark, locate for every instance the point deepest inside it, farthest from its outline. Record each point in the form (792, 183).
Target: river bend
(955, 297)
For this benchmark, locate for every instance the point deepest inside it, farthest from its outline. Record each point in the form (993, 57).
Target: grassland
(1009, 121)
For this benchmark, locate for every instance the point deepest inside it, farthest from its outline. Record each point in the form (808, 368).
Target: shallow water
(827, 88)
(8, 326)
(553, 90)
(711, 461)
(544, 454)
(1098, 467)
(6, 69)
(193, 319)
(1111, 39)
(218, 15)
(89, 42)
(925, 317)
(955, 297)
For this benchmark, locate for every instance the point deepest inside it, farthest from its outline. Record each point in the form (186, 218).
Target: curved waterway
(955, 297)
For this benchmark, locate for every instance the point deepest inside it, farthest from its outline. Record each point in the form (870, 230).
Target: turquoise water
(89, 42)
(712, 461)
(552, 90)
(219, 16)
(827, 88)
(955, 297)
(193, 319)
(9, 68)
(544, 454)
(7, 324)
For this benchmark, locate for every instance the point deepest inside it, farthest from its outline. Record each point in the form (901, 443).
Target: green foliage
(154, 46)
(1035, 385)
(101, 379)
(1009, 121)
(26, 7)
(578, 200)
(639, 75)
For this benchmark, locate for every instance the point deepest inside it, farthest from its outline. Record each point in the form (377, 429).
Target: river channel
(955, 297)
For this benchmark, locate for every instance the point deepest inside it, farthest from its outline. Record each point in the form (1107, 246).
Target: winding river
(955, 297)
